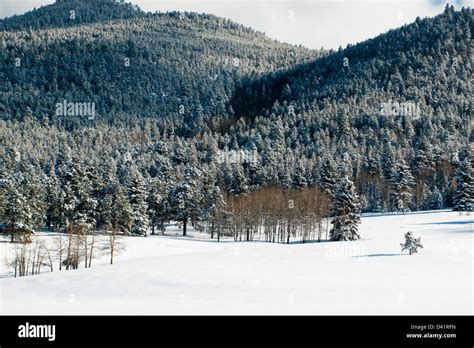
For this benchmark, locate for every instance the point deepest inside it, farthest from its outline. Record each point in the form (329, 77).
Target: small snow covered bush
(411, 243)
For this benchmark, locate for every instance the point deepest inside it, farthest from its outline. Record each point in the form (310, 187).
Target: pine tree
(347, 212)
(387, 160)
(212, 202)
(158, 206)
(425, 198)
(328, 177)
(32, 186)
(344, 167)
(402, 182)
(372, 164)
(137, 197)
(108, 181)
(238, 181)
(16, 213)
(68, 178)
(53, 201)
(411, 243)
(78, 205)
(436, 201)
(9, 162)
(464, 195)
(120, 216)
(299, 178)
(186, 197)
(85, 208)
(372, 192)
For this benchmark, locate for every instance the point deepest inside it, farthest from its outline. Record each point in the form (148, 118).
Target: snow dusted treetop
(347, 210)
(402, 182)
(15, 211)
(411, 243)
(328, 176)
(186, 197)
(464, 196)
(137, 197)
(436, 200)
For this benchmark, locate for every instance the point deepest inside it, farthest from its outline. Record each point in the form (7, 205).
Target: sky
(311, 23)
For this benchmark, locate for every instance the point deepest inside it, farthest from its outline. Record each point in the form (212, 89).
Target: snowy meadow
(173, 274)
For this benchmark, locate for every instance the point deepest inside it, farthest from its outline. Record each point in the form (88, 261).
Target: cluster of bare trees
(30, 256)
(67, 250)
(78, 247)
(276, 214)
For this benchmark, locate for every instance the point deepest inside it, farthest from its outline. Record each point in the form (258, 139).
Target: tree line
(317, 129)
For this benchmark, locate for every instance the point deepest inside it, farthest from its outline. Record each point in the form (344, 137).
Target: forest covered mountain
(161, 65)
(59, 15)
(427, 61)
(386, 119)
(337, 105)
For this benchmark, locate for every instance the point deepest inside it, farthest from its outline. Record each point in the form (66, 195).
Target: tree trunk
(112, 252)
(288, 234)
(185, 221)
(91, 251)
(85, 251)
(319, 230)
(327, 227)
(60, 247)
(112, 238)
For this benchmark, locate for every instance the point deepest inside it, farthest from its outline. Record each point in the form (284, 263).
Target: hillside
(336, 107)
(162, 65)
(59, 14)
(198, 87)
(428, 61)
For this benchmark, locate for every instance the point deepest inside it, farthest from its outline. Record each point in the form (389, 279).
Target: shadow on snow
(377, 255)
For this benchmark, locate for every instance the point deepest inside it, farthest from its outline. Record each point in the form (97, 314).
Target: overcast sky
(312, 23)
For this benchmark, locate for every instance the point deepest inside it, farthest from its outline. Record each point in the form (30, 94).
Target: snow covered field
(196, 275)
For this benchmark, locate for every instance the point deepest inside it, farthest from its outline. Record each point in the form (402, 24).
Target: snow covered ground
(195, 275)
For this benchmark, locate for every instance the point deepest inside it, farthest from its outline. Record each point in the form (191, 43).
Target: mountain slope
(415, 62)
(201, 78)
(159, 65)
(65, 13)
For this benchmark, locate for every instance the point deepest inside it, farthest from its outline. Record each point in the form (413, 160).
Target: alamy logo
(75, 109)
(238, 156)
(409, 109)
(37, 331)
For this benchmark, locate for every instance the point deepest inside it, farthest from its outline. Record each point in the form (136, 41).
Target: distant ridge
(59, 14)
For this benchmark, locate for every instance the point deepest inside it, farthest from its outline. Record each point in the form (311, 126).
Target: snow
(195, 275)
